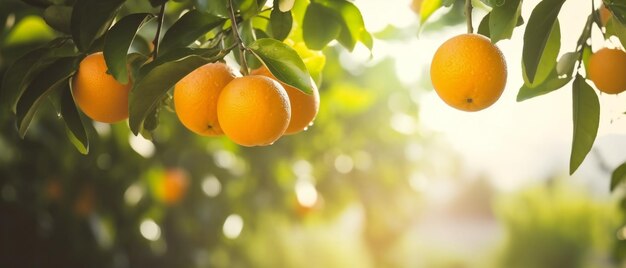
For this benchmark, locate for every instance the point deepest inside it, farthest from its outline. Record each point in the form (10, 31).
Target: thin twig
(242, 48)
(468, 16)
(158, 32)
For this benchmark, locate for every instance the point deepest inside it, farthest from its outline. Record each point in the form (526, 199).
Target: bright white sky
(512, 143)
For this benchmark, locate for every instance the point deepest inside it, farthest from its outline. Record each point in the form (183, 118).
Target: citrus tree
(142, 61)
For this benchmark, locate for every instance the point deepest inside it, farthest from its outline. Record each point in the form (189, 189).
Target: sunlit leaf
(586, 114)
(537, 34)
(503, 19)
(75, 128)
(552, 83)
(428, 8)
(48, 79)
(188, 29)
(566, 63)
(31, 29)
(547, 60)
(91, 19)
(285, 5)
(117, 43)
(352, 24)
(284, 63)
(319, 26)
(157, 78)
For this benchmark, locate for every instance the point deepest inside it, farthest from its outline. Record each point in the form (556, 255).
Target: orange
(254, 110)
(173, 186)
(195, 98)
(97, 93)
(607, 69)
(85, 201)
(304, 106)
(468, 72)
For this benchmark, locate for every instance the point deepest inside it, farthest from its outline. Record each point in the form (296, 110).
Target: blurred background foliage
(358, 189)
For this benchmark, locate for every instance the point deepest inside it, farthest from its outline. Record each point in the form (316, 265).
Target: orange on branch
(468, 72)
(97, 93)
(304, 106)
(195, 98)
(254, 110)
(607, 70)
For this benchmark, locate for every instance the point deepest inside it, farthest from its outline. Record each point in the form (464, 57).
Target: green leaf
(158, 77)
(135, 61)
(248, 37)
(537, 34)
(614, 27)
(91, 19)
(547, 60)
(586, 109)
(351, 22)
(552, 83)
(247, 8)
(483, 27)
(428, 8)
(618, 176)
(367, 39)
(17, 74)
(285, 5)
(156, 3)
(284, 63)
(74, 125)
(280, 23)
(48, 79)
(23, 70)
(29, 30)
(566, 64)
(58, 17)
(117, 43)
(618, 9)
(319, 26)
(188, 29)
(503, 18)
(218, 8)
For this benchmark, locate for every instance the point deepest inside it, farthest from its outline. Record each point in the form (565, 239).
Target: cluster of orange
(252, 110)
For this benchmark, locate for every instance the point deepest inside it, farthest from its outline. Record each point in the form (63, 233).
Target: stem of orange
(468, 16)
(242, 48)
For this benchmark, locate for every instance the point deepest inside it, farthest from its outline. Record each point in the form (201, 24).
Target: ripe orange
(97, 93)
(173, 186)
(468, 72)
(195, 98)
(607, 70)
(254, 110)
(304, 107)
